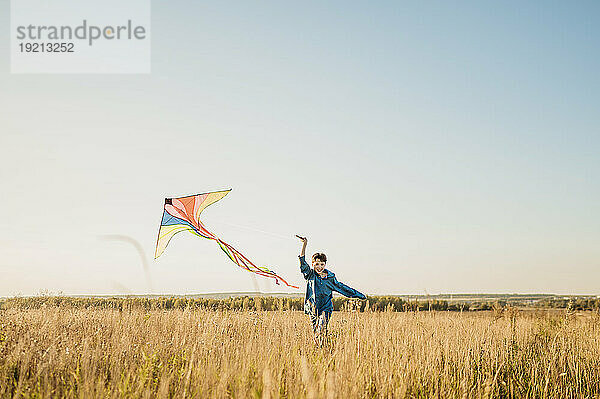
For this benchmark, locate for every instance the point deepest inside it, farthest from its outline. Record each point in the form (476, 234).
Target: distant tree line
(570, 303)
(372, 304)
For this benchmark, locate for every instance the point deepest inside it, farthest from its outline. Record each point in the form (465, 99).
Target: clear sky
(426, 147)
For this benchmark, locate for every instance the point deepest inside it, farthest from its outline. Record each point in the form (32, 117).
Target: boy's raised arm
(304, 242)
(304, 267)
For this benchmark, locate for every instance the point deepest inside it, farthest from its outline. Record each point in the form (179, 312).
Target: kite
(183, 214)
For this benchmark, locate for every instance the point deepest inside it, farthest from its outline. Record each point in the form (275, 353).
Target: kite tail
(239, 259)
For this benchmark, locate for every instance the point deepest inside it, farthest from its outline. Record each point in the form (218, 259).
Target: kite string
(277, 235)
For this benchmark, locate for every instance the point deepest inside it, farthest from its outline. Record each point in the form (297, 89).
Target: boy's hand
(304, 239)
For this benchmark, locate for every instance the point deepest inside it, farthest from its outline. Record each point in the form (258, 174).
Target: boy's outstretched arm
(304, 267)
(347, 291)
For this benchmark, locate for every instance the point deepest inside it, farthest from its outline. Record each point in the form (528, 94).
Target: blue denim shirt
(319, 290)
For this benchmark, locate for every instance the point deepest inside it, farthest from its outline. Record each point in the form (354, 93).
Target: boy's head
(318, 262)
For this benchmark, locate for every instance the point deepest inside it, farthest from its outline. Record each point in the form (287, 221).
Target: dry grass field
(68, 352)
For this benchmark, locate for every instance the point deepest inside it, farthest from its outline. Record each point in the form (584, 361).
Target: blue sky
(424, 147)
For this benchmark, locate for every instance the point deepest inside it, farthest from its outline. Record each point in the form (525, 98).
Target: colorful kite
(183, 214)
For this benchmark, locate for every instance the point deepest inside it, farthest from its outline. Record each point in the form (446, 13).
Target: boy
(321, 283)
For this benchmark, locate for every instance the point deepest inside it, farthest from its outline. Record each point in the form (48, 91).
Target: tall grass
(71, 352)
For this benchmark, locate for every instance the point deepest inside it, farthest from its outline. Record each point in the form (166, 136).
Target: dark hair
(320, 256)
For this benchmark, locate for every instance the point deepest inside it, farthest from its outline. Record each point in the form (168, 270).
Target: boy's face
(318, 265)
